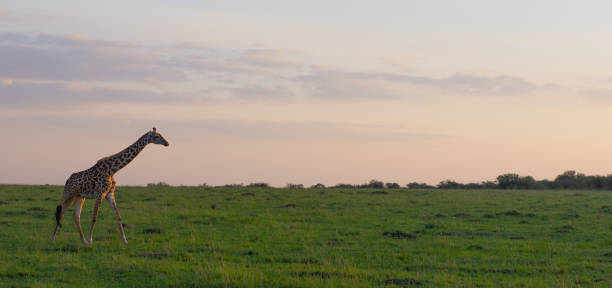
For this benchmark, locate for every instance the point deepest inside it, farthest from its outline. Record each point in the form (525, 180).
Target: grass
(265, 237)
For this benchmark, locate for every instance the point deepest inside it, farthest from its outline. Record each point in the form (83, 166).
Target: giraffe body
(89, 184)
(97, 183)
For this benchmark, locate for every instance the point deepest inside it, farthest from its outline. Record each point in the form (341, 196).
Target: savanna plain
(273, 237)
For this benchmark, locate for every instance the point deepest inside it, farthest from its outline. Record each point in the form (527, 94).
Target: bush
(344, 186)
(415, 185)
(489, 185)
(259, 185)
(526, 182)
(392, 185)
(317, 186)
(233, 185)
(294, 186)
(158, 184)
(473, 186)
(515, 181)
(597, 182)
(571, 180)
(450, 184)
(508, 180)
(544, 184)
(373, 184)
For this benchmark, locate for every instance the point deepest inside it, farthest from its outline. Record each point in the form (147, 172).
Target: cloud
(257, 92)
(482, 85)
(310, 130)
(211, 63)
(238, 63)
(45, 69)
(597, 95)
(18, 94)
(256, 130)
(19, 18)
(44, 65)
(267, 58)
(344, 85)
(22, 94)
(80, 59)
(191, 46)
(359, 85)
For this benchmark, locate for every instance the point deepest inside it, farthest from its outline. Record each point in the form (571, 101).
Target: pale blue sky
(488, 17)
(307, 91)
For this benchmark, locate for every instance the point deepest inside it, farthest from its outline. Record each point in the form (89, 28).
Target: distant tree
(596, 182)
(508, 181)
(608, 182)
(473, 186)
(392, 185)
(317, 186)
(344, 186)
(158, 184)
(294, 186)
(259, 185)
(374, 184)
(415, 185)
(515, 181)
(233, 185)
(526, 182)
(571, 180)
(581, 181)
(450, 184)
(489, 185)
(544, 184)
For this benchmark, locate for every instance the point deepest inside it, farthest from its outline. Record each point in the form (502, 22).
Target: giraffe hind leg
(77, 217)
(94, 218)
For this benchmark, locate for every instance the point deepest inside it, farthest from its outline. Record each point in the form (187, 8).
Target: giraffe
(97, 183)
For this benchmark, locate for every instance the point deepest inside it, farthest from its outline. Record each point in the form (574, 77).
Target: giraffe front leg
(94, 218)
(78, 205)
(113, 204)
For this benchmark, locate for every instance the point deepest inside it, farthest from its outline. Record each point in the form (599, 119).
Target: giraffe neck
(111, 164)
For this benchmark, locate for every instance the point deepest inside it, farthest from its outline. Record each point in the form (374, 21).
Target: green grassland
(266, 237)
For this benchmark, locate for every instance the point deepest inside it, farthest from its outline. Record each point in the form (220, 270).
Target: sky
(306, 91)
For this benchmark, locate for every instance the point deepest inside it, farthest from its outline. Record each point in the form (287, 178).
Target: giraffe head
(156, 138)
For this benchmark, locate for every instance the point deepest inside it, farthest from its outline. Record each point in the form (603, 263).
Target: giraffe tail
(58, 212)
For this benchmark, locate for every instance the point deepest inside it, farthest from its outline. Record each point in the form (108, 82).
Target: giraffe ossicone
(98, 183)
